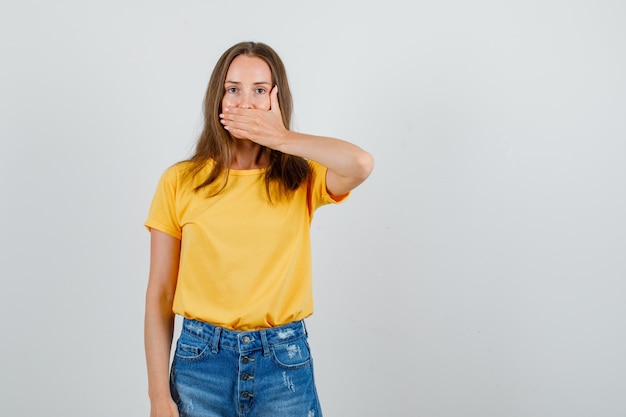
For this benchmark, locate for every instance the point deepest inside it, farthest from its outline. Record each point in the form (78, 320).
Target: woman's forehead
(248, 69)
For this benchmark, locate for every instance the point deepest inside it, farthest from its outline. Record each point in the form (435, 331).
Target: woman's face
(248, 84)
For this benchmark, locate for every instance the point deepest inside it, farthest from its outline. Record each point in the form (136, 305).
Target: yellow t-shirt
(245, 262)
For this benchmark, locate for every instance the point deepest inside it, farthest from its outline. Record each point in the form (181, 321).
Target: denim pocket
(292, 355)
(190, 348)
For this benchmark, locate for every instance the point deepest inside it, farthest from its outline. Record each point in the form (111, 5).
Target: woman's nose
(245, 102)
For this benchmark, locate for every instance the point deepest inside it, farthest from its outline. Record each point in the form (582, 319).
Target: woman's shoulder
(316, 167)
(174, 171)
(187, 173)
(181, 168)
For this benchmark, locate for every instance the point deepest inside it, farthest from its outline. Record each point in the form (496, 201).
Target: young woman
(230, 250)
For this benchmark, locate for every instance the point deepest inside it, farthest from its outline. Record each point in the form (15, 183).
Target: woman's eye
(260, 90)
(231, 90)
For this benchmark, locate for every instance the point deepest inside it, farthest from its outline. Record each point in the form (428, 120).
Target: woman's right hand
(163, 408)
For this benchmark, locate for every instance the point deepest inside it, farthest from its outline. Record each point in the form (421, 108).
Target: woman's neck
(248, 155)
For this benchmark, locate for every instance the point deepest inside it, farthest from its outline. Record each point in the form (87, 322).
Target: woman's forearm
(348, 165)
(158, 334)
(159, 317)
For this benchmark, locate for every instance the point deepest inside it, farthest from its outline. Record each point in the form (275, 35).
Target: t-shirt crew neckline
(254, 171)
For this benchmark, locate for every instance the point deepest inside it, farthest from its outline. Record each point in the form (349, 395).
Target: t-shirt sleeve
(162, 215)
(319, 192)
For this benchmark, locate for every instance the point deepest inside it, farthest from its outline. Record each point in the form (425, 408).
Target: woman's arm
(159, 321)
(348, 165)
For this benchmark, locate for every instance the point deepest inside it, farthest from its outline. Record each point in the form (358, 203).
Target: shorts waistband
(244, 341)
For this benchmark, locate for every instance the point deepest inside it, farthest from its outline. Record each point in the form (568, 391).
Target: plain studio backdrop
(480, 271)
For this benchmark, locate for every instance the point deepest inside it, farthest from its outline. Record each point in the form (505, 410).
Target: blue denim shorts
(218, 372)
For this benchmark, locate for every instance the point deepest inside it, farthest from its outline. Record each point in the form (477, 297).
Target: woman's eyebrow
(256, 83)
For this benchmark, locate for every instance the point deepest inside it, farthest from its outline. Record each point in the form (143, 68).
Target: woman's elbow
(365, 163)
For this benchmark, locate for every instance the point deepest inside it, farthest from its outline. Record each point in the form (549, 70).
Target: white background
(479, 272)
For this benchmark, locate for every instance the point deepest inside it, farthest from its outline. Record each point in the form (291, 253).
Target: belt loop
(304, 328)
(266, 347)
(217, 331)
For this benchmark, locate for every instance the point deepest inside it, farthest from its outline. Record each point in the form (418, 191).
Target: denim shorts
(218, 372)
